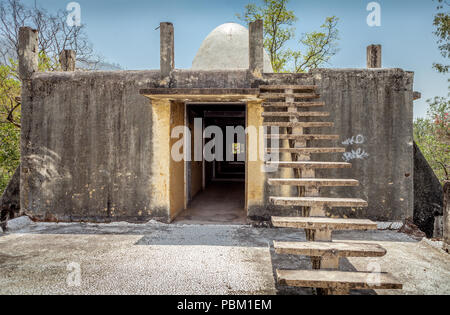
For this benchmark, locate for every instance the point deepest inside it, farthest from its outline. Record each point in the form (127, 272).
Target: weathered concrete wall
(88, 150)
(373, 114)
(88, 141)
(86, 147)
(428, 194)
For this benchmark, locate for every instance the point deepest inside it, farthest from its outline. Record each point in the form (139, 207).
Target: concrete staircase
(296, 101)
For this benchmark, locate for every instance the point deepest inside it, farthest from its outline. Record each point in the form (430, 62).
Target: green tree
(54, 36)
(315, 48)
(432, 135)
(9, 122)
(10, 103)
(441, 23)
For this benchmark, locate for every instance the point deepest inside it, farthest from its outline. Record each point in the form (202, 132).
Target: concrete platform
(158, 258)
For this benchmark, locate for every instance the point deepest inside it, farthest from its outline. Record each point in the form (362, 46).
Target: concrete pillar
(67, 59)
(256, 48)
(255, 177)
(167, 192)
(167, 49)
(28, 52)
(447, 216)
(374, 56)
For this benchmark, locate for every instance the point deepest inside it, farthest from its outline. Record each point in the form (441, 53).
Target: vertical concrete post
(374, 56)
(447, 216)
(256, 48)
(160, 191)
(255, 178)
(28, 64)
(67, 59)
(28, 52)
(167, 49)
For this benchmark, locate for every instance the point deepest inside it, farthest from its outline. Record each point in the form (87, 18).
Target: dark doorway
(215, 190)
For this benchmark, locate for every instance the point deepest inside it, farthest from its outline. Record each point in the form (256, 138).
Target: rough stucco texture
(86, 147)
(373, 114)
(87, 140)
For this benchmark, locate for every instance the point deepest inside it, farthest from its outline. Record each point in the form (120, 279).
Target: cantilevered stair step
(284, 87)
(295, 114)
(318, 201)
(306, 150)
(296, 104)
(317, 182)
(309, 164)
(317, 223)
(313, 124)
(337, 279)
(339, 249)
(302, 137)
(294, 95)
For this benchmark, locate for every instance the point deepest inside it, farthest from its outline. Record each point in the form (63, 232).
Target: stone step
(309, 164)
(306, 150)
(294, 95)
(318, 201)
(292, 104)
(330, 249)
(295, 114)
(318, 223)
(340, 281)
(284, 87)
(302, 137)
(316, 182)
(314, 124)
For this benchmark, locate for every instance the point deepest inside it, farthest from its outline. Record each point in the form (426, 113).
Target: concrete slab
(156, 258)
(219, 203)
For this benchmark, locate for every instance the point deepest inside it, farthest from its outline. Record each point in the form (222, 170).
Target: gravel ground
(155, 258)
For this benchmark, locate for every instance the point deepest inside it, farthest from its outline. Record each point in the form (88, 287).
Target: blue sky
(123, 31)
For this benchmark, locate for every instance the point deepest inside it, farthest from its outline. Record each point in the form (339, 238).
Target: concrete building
(96, 145)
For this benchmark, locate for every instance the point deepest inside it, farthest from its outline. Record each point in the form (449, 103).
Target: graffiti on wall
(355, 154)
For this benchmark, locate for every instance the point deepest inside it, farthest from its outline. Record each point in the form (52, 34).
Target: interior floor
(220, 203)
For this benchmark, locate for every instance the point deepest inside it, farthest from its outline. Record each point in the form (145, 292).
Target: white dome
(226, 48)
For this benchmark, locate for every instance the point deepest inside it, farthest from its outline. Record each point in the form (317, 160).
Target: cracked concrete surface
(154, 258)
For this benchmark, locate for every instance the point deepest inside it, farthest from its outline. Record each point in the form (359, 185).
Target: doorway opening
(215, 188)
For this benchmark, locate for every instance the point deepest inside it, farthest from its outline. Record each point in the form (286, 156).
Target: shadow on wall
(10, 200)
(428, 194)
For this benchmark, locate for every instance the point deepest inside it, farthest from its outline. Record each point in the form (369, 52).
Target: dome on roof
(226, 48)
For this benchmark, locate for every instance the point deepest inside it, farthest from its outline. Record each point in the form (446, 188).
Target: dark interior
(220, 179)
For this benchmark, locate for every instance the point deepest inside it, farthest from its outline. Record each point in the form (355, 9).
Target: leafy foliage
(9, 153)
(321, 46)
(10, 104)
(432, 135)
(54, 36)
(315, 48)
(9, 122)
(442, 24)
